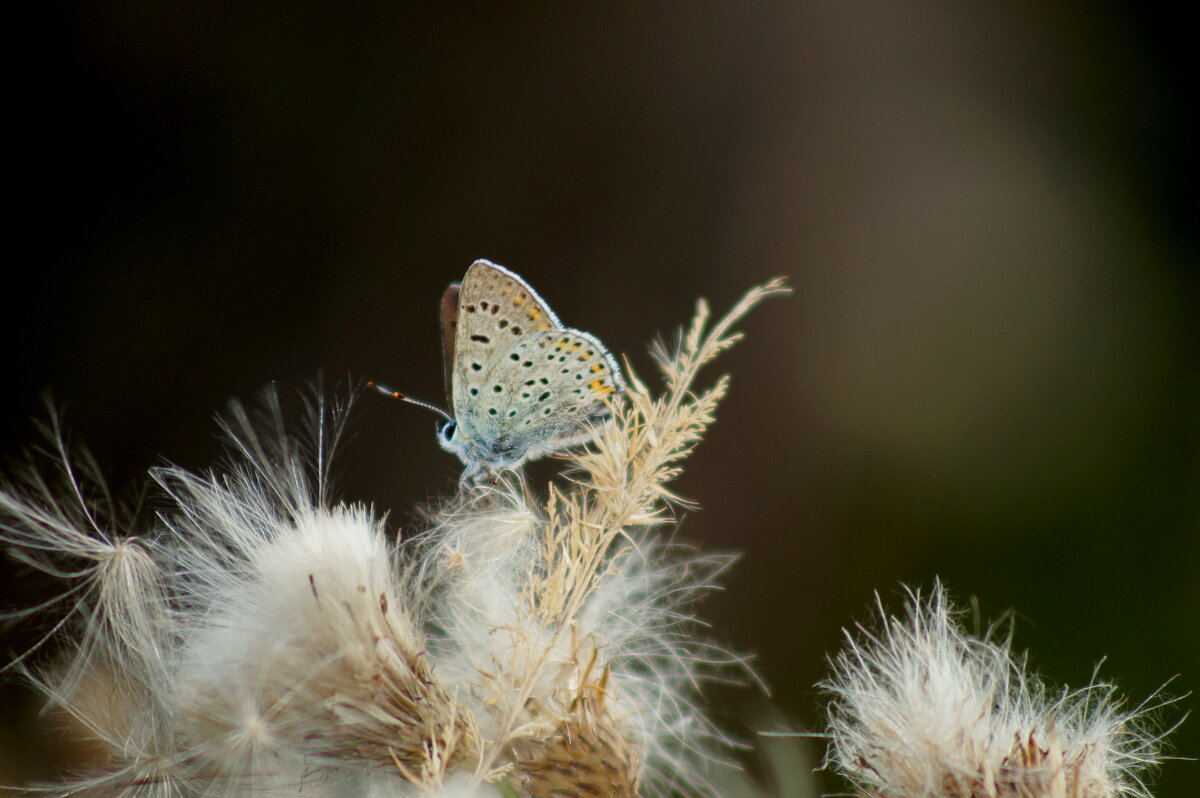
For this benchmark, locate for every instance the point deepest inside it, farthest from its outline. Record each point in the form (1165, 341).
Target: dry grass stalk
(617, 494)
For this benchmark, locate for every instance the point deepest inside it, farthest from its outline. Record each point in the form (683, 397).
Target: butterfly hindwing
(545, 392)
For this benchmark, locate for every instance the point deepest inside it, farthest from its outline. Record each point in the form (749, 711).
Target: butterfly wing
(449, 329)
(522, 385)
(495, 308)
(545, 393)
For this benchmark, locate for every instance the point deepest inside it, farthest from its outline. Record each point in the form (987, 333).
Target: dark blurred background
(988, 371)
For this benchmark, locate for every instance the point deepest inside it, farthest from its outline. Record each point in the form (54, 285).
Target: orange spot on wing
(597, 367)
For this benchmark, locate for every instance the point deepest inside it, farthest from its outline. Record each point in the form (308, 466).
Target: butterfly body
(521, 385)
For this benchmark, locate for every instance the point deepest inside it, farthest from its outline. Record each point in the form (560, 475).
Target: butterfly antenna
(383, 389)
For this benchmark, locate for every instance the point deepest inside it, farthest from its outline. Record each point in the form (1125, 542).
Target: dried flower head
(923, 710)
(257, 639)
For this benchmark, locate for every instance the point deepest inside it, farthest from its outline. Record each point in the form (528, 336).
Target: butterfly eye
(448, 430)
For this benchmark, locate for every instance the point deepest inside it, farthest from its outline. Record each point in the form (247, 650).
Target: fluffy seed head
(261, 640)
(920, 709)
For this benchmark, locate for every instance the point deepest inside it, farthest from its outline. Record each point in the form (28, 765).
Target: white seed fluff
(920, 709)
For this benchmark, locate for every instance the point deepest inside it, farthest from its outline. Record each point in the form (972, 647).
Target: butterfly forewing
(495, 308)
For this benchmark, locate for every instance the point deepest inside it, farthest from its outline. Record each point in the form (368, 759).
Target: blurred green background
(989, 371)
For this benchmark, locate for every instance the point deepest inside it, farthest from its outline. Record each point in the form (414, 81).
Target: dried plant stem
(621, 485)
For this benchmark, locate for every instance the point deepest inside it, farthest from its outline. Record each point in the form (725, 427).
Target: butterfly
(519, 383)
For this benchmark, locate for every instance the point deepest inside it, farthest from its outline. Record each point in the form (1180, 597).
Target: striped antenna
(397, 395)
